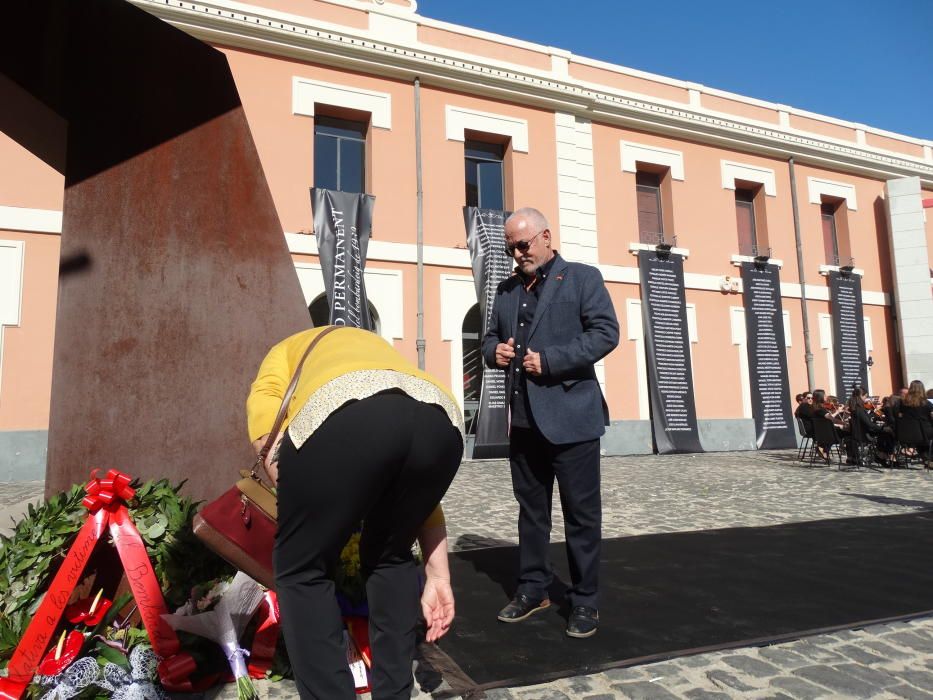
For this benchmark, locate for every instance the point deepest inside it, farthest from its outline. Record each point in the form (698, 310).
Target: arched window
(472, 366)
(320, 313)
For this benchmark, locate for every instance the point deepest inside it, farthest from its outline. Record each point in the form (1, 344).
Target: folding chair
(806, 439)
(913, 442)
(825, 436)
(861, 446)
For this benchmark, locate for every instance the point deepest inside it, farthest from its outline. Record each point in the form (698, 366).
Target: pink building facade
(616, 159)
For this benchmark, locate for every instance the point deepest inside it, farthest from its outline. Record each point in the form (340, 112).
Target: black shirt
(805, 413)
(922, 413)
(527, 305)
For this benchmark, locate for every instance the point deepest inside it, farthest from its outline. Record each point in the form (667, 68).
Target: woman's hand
(437, 601)
(271, 467)
(259, 442)
(437, 605)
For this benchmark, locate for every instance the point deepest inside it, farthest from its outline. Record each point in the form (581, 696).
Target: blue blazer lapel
(550, 288)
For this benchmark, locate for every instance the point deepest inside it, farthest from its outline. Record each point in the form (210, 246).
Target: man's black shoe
(583, 622)
(522, 607)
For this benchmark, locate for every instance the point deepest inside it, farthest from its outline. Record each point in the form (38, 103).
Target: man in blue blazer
(551, 321)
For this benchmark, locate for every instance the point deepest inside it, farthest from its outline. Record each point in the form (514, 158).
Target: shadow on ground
(891, 501)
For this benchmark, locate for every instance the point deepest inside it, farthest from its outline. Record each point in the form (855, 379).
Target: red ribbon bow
(110, 492)
(106, 499)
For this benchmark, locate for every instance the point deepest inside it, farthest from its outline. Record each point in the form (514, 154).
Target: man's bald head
(528, 239)
(533, 218)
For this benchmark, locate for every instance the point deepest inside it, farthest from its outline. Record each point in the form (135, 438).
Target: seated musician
(916, 406)
(889, 408)
(858, 407)
(823, 410)
(804, 411)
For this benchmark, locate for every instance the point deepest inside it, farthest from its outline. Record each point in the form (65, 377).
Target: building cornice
(250, 27)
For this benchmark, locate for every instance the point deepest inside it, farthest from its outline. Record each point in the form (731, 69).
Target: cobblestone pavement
(654, 494)
(14, 501)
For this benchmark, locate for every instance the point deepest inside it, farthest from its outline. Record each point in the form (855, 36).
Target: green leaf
(32, 554)
(114, 656)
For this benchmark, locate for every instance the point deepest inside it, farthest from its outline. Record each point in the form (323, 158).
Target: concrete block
(909, 238)
(920, 309)
(921, 361)
(468, 446)
(23, 455)
(902, 186)
(920, 368)
(588, 222)
(905, 222)
(915, 291)
(627, 437)
(918, 343)
(566, 151)
(727, 434)
(903, 204)
(911, 265)
(917, 338)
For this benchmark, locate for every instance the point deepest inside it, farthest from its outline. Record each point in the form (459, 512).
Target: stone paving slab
(655, 494)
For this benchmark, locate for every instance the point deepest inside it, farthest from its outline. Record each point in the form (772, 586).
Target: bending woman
(369, 438)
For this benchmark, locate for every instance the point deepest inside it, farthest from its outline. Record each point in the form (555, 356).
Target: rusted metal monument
(175, 277)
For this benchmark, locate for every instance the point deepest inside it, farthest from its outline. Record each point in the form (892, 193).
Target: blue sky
(866, 61)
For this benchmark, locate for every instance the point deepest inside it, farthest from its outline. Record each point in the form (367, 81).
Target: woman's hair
(857, 399)
(916, 394)
(819, 396)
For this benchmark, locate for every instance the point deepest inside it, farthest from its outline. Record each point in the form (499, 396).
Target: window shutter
(649, 213)
(745, 223)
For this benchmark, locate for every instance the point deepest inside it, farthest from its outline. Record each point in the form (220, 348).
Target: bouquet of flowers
(348, 579)
(225, 612)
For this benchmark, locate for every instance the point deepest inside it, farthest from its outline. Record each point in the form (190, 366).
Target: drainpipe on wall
(419, 342)
(807, 353)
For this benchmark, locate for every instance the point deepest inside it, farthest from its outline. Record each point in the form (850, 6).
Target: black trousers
(386, 460)
(535, 463)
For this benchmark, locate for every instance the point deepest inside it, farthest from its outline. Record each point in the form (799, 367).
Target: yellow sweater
(345, 350)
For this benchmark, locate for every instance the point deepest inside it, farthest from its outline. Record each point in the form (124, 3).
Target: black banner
(342, 226)
(667, 346)
(491, 264)
(845, 294)
(767, 356)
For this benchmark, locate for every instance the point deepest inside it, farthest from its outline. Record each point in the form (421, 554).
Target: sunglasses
(522, 246)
